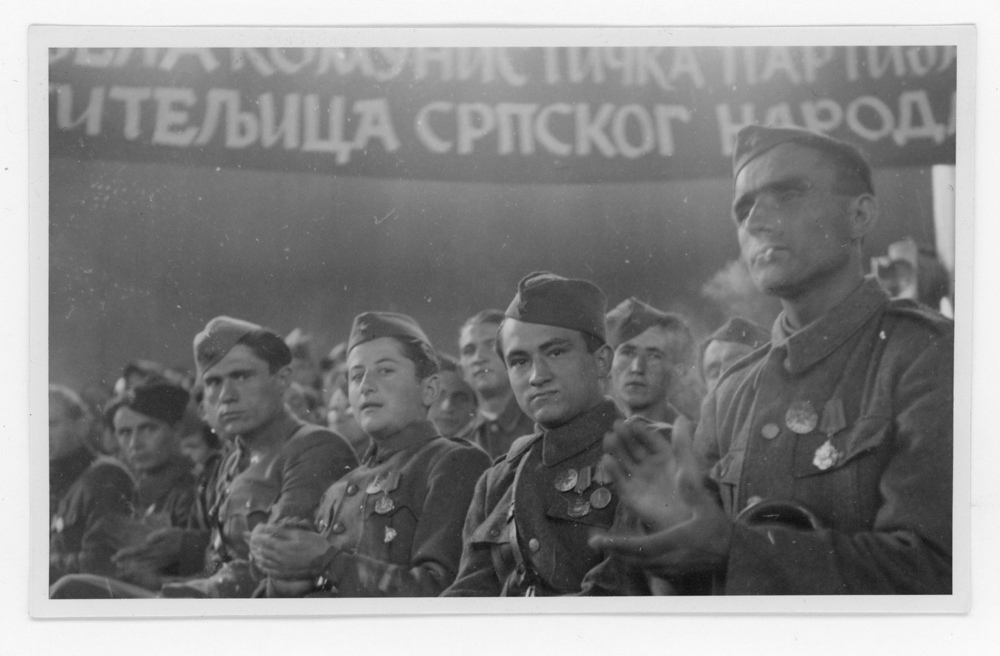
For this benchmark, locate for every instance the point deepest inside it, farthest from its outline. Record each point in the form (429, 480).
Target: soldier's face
(553, 377)
(482, 367)
(641, 369)
(243, 392)
(386, 395)
(718, 357)
(455, 405)
(794, 231)
(147, 443)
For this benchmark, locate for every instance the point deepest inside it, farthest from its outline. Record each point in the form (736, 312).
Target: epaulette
(521, 446)
(910, 309)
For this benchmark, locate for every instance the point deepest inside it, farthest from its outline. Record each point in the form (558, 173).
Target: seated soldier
(393, 526)
(454, 410)
(84, 490)
(278, 469)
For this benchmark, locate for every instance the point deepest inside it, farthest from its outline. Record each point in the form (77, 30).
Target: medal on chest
(578, 482)
(801, 417)
(834, 421)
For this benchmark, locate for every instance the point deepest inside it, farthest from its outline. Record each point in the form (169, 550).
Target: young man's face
(244, 394)
(794, 230)
(386, 395)
(455, 405)
(553, 376)
(482, 367)
(147, 443)
(641, 369)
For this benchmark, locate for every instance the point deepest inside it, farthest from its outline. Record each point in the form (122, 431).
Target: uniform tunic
(285, 477)
(496, 436)
(517, 506)
(104, 489)
(396, 521)
(169, 490)
(876, 469)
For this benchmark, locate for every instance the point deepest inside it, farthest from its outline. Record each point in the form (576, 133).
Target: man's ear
(431, 387)
(284, 376)
(604, 356)
(863, 213)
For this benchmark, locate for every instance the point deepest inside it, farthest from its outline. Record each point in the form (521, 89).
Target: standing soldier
(644, 340)
(499, 419)
(392, 527)
(526, 530)
(832, 449)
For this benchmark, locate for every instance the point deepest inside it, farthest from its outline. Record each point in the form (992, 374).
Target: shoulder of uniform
(521, 446)
(909, 310)
(744, 363)
(103, 466)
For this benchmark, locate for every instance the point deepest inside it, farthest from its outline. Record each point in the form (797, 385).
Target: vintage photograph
(343, 318)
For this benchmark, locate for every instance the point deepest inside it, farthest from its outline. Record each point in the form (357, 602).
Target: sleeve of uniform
(477, 575)
(108, 491)
(319, 459)
(437, 545)
(909, 548)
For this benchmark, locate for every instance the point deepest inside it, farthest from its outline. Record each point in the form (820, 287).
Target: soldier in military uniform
(832, 449)
(526, 530)
(393, 526)
(734, 340)
(499, 419)
(453, 412)
(644, 342)
(84, 490)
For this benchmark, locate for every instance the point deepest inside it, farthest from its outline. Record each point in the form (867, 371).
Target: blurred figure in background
(732, 341)
(341, 420)
(305, 403)
(500, 420)
(454, 410)
(84, 488)
(305, 371)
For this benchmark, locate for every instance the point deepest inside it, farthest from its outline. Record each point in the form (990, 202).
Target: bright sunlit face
(795, 231)
(147, 443)
(385, 393)
(641, 370)
(481, 365)
(455, 405)
(245, 395)
(553, 376)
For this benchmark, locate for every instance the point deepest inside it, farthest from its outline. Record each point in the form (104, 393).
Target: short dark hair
(420, 354)
(592, 342)
(269, 347)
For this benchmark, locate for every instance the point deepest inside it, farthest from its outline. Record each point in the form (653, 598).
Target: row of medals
(384, 504)
(801, 418)
(579, 481)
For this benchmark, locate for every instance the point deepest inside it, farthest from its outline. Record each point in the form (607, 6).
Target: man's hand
(160, 549)
(661, 482)
(284, 552)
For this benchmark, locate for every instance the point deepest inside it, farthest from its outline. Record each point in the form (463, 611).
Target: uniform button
(322, 525)
(770, 431)
(248, 503)
(753, 501)
(494, 532)
(533, 545)
(338, 528)
(352, 489)
(493, 428)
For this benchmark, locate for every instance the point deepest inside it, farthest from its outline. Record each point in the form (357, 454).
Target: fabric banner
(506, 115)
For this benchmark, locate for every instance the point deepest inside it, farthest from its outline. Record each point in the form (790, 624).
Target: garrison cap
(753, 141)
(219, 337)
(741, 331)
(163, 401)
(632, 317)
(374, 325)
(551, 300)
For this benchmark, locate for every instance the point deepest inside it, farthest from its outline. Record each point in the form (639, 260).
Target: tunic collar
(416, 434)
(810, 344)
(154, 486)
(579, 433)
(273, 437)
(507, 419)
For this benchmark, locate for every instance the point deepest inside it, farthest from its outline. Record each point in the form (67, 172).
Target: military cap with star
(162, 401)
(551, 300)
(221, 334)
(374, 325)
(753, 141)
(632, 317)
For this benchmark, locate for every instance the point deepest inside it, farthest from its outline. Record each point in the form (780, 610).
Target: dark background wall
(143, 255)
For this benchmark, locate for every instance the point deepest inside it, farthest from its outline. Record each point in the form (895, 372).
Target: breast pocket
(390, 530)
(494, 534)
(241, 514)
